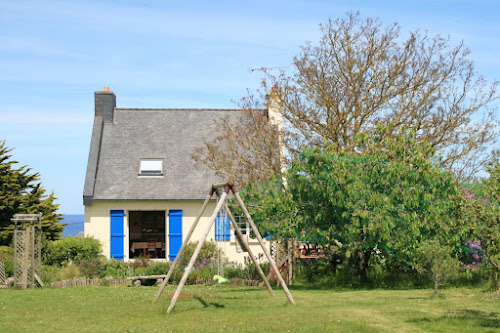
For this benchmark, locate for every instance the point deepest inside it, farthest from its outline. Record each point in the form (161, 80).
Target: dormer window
(151, 167)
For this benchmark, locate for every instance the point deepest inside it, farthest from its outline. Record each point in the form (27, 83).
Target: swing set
(222, 205)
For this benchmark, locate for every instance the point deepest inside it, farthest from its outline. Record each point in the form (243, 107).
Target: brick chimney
(105, 104)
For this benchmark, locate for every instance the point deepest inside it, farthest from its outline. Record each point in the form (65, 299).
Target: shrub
(50, 273)
(209, 252)
(72, 249)
(158, 268)
(7, 254)
(437, 262)
(93, 267)
(69, 272)
(117, 269)
(234, 271)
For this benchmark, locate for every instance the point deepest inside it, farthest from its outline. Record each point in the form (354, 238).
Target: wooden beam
(184, 243)
(198, 249)
(38, 279)
(146, 277)
(266, 251)
(247, 248)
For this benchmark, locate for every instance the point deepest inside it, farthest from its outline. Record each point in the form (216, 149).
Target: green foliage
(7, 255)
(21, 192)
(209, 252)
(118, 269)
(92, 267)
(72, 249)
(6, 252)
(437, 262)
(70, 271)
(158, 268)
(233, 271)
(357, 204)
(483, 214)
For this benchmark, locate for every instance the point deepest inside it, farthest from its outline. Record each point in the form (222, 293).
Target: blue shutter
(116, 242)
(222, 229)
(174, 233)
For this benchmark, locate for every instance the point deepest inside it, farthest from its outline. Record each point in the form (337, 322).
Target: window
(151, 167)
(222, 228)
(147, 234)
(242, 222)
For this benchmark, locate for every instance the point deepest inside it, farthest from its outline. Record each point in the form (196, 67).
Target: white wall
(97, 224)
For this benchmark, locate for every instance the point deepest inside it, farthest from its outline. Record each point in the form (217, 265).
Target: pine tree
(21, 192)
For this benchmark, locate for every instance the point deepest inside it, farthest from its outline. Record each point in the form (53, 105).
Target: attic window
(151, 167)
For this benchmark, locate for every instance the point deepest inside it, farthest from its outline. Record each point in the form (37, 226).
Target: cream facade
(98, 225)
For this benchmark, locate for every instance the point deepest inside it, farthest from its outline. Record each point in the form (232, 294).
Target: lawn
(246, 309)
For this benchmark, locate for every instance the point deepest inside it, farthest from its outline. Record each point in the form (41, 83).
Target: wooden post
(198, 248)
(247, 248)
(25, 258)
(3, 279)
(32, 257)
(266, 251)
(184, 243)
(38, 249)
(16, 255)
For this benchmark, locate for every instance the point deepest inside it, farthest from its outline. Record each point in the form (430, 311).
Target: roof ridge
(183, 109)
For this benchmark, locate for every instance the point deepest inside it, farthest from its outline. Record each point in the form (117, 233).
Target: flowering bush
(283, 270)
(473, 255)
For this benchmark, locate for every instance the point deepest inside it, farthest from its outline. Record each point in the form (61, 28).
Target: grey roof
(133, 134)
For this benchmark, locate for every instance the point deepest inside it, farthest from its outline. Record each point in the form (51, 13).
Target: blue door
(116, 242)
(174, 233)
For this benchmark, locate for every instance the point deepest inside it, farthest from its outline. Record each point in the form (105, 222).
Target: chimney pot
(106, 88)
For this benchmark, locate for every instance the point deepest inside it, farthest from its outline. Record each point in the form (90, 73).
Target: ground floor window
(242, 223)
(147, 234)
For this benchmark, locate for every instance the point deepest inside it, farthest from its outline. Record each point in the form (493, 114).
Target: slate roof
(132, 134)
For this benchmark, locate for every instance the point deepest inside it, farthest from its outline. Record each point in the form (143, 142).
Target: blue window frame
(222, 228)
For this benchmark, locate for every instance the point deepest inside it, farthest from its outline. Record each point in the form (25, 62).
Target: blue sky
(55, 54)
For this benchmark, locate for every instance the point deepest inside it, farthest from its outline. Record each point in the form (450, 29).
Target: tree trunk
(436, 288)
(361, 264)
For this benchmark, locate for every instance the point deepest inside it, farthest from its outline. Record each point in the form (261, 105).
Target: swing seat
(221, 280)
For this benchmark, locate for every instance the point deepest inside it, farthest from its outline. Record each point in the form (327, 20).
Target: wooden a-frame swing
(222, 204)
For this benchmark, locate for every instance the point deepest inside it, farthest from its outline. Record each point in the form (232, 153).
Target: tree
(360, 203)
(485, 212)
(21, 192)
(362, 74)
(244, 148)
(437, 262)
(490, 230)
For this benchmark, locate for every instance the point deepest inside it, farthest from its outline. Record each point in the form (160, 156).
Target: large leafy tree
(361, 203)
(21, 192)
(482, 212)
(362, 74)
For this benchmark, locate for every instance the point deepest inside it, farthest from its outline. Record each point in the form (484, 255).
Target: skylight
(151, 167)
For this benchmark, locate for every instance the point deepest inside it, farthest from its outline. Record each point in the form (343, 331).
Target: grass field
(246, 309)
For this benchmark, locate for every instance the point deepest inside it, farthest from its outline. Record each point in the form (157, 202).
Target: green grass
(245, 309)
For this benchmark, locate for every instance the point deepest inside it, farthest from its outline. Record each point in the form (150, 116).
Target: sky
(172, 54)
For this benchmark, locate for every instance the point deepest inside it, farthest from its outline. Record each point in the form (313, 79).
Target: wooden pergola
(222, 204)
(27, 250)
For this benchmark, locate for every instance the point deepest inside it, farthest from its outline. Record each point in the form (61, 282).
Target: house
(142, 188)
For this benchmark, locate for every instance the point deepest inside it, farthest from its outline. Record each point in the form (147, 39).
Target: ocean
(74, 225)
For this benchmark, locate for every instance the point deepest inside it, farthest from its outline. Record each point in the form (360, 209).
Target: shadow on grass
(206, 305)
(472, 317)
(240, 289)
